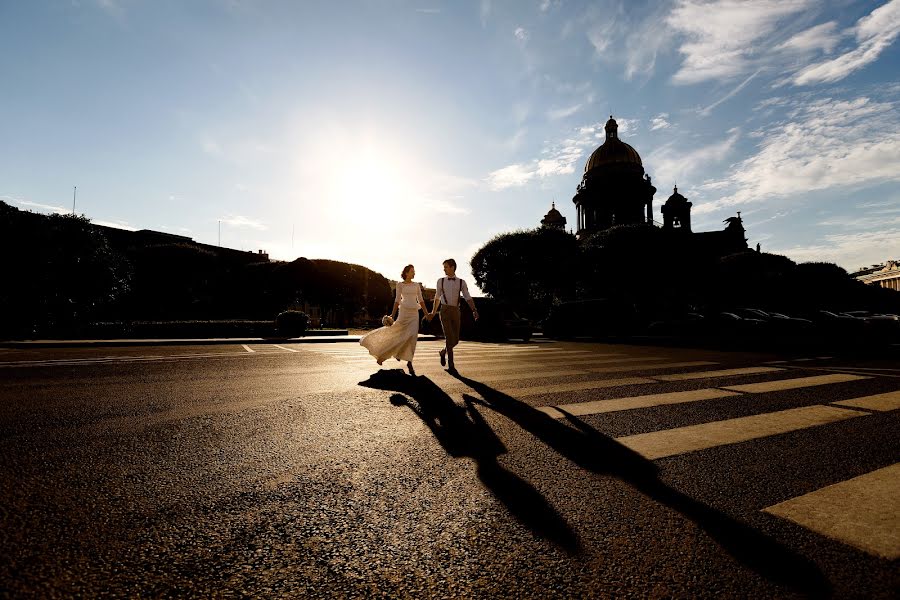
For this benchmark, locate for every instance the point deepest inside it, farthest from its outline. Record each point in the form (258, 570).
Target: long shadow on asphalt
(601, 454)
(463, 432)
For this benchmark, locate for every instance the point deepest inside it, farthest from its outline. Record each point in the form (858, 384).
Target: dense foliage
(660, 272)
(58, 272)
(61, 276)
(530, 269)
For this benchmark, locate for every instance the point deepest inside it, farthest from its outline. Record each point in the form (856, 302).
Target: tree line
(61, 276)
(660, 273)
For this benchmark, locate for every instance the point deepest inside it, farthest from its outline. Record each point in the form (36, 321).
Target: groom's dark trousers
(450, 324)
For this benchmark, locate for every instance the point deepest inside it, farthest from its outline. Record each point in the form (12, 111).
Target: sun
(375, 193)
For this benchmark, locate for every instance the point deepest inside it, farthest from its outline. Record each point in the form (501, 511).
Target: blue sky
(387, 132)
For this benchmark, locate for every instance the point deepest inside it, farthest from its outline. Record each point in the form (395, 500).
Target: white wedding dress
(398, 340)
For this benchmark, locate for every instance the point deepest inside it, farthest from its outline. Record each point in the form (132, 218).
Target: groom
(446, 295)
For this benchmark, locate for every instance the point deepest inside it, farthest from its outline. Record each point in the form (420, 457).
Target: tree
(59, 273)
(529, 269)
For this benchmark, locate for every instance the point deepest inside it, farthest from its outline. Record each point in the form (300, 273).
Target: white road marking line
(283, 348)
(863, 512)
(248, 348)
(617, 404)
(681, 440)
(878, 402)
(576, 386)
(588, 359)
(516, 376)
(719, 373)
(674, 365)
(89, 362)
(512, 362)
(867, 369)
(790, 384)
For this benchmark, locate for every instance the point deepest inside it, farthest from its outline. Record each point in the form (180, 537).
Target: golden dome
(613, 150)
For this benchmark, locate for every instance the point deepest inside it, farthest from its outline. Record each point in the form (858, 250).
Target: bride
(398, 339)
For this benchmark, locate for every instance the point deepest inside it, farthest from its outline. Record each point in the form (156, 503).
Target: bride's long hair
(405, 271)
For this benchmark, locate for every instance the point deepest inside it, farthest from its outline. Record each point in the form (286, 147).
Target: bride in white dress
(399, 339)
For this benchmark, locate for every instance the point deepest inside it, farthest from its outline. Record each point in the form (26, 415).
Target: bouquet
(387, 321)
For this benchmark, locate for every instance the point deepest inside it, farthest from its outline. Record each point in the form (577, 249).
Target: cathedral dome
(613, 150)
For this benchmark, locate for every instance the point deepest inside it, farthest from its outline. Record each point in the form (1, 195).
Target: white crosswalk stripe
(861, 512)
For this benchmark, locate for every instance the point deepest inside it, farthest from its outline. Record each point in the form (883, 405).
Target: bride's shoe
(411, 370)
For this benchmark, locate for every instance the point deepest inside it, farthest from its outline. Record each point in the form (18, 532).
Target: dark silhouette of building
(554, 219)
(677, 212)
(613, 189)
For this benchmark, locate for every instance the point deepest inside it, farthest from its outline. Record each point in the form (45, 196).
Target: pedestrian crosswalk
(601, 384)
(559, 381)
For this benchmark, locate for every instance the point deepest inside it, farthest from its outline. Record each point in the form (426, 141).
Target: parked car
(777, 323)
(590, 318)
(496, 321)
(688, 325)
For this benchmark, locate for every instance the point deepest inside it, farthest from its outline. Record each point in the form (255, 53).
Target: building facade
(886, 275)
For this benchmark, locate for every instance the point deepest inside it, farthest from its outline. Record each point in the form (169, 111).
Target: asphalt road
(545, 470)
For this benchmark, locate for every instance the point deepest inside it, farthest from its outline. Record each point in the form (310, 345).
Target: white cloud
(621, 37)
(238, 151)
(515, 175)
(672, 162)
(660, 122)
(704, 112)
(211, 147)
(625, 126)
(557, 159)
(722, 36)
(821, 37)
(874, 33)
(242, 221)
(644, 42)
(521, 34)
(825, 144)
(446, 207)
(115, 225)
(555, 114)
(484, 10)
(849, 250)
(548, 4)
(28, 204)
(429, 11)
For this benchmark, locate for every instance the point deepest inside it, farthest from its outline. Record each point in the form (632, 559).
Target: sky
(391, 132)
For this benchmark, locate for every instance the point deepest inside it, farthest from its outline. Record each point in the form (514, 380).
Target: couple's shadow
(462, 431)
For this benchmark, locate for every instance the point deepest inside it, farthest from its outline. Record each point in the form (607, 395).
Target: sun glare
(375, 194)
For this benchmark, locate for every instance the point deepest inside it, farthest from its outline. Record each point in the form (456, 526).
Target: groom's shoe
(443, 354)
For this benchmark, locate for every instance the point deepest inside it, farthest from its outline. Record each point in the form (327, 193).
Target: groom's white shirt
(449, 290)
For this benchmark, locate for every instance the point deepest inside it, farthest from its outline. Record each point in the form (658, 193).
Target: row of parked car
(604, 318)
(758, 321)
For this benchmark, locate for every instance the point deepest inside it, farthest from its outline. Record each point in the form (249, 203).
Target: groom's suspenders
(458, 291)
